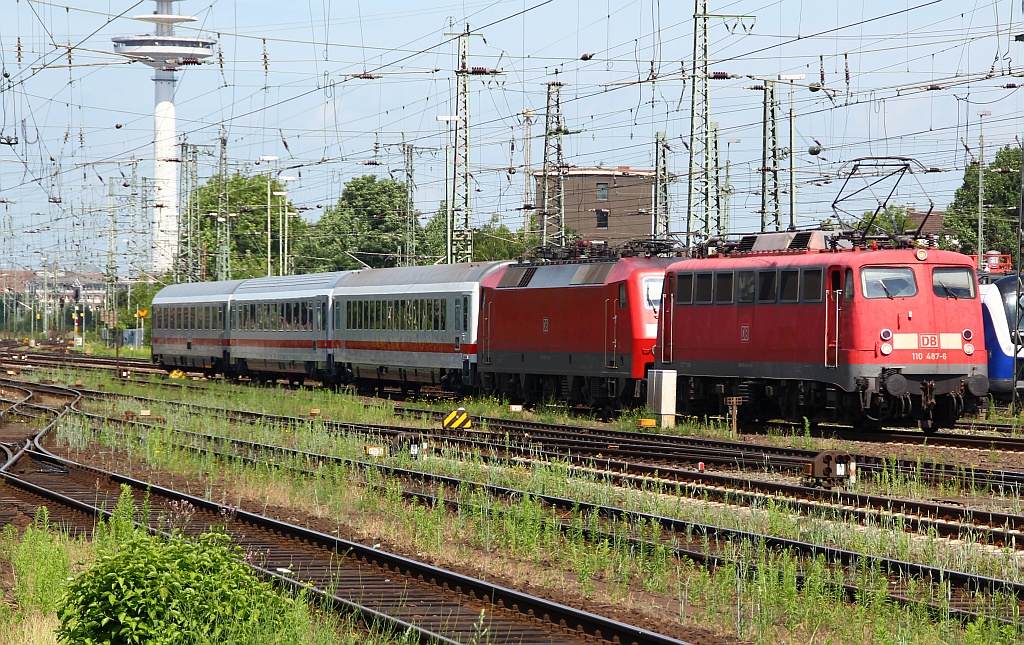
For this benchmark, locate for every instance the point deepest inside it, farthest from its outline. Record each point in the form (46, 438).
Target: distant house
(609, 204)
(934, 224)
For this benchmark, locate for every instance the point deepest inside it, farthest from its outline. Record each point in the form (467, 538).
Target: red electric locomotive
(799, 328)
(581, 331)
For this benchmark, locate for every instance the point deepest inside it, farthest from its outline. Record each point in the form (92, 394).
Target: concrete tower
(165, 53)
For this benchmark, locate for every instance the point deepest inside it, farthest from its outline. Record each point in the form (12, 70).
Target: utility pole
(223, 203)
(981, 192)
(770, 161)
(725, 189)
(792, 150)
(713, 196)
(660, 223)
(410, 206)
(462, 233)
(553, 213)
(529, 194)
(110, 276)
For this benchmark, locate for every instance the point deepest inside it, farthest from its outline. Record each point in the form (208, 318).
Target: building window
(602, 191)
(602, 218)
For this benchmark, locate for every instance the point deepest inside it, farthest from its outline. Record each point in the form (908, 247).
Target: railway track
(950, 592)
(597, 459)
(431, 603)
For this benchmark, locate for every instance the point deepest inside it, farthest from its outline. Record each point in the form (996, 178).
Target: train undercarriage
(890, 400)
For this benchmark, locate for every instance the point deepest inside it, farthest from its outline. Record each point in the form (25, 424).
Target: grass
(44, 560)
(522, 539)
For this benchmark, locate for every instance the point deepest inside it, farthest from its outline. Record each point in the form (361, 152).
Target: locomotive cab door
(833, 315)
(668, 299)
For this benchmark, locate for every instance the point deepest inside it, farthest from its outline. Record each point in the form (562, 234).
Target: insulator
(719, 76)
(932, 88)
(1011, 86)
(189, 61)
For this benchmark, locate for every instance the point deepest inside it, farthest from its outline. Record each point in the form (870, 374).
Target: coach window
(723, 287)
(888, 282)
(465, 313)
(745, 287)
(684, 290)
(444, 314)
(767, 286)
(458, 314)
(789, 285)
(812, 285)
(953, 283)
(702, 289)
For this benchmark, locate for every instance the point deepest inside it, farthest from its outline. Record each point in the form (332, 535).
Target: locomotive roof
(562, 274)
(845, 257)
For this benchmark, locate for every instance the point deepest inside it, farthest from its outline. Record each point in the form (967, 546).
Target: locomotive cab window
(811, 291)
(767, 286)
(623, 301)
(684, 288)
(702, 289)
(953, 282)
(789, 285)
(723, 287)
(888, 282)
(651, 288)
(745, 287)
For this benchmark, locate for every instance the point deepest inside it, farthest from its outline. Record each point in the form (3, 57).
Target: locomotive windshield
(652, 292)
(1008, 290)
(953, 283)
(888, 282)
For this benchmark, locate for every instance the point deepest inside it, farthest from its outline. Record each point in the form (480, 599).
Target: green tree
(892, 220)
(1002, 195)
(246, 197)
(365, 228)
(492, 241)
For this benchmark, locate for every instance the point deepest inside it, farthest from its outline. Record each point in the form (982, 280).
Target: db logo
(744, 333)
(929, 340)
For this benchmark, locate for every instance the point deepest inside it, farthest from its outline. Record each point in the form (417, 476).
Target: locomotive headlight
(886, 349)
(921, 255)
(968, 349)
(968, 334)
(886, 334)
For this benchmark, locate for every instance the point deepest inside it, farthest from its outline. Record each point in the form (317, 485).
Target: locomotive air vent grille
(800, 240)
(527, 276)
(747, 243)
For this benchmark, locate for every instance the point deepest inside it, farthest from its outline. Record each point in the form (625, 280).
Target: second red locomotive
(800, 329)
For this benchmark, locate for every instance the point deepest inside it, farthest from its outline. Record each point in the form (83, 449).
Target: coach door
(833, 315)
(485, 331)
(668, 300)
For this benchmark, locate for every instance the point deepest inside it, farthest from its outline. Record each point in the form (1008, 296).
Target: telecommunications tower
(165, 53)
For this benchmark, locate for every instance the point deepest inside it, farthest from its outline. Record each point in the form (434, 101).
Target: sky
(333, 89)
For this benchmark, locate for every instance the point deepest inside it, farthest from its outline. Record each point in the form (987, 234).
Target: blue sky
(919, 72)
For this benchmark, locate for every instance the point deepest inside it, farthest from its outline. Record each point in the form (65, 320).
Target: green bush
(166, 592)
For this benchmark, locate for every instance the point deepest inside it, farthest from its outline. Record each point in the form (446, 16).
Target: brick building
(611, 204)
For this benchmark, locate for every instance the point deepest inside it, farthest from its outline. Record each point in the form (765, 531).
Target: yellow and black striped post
(457, 420)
